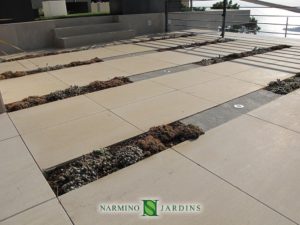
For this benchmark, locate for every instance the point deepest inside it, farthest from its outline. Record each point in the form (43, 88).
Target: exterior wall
(144, 23)
(206, 19)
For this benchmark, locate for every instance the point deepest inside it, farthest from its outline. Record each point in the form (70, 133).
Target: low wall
(206, 19)
(39, 34)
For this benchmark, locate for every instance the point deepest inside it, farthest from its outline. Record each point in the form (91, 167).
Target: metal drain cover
(238, 106)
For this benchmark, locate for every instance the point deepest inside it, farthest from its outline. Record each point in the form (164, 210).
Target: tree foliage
(230, 5)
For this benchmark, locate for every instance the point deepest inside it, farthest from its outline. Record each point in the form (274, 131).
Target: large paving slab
(258, 157)
(170, 178)
(11, 66)
(22, 184)
(284, 111)
(174, 57)
(186, 78)
(130, 93)
(227, 68)
(72, 139)
(7, 129)
(48, 213)
(138, 64)
(66, 58)
(222, 89)
(129, 48)
(162, 109)
(54, 113)
(261, 76)
(252, 62)
(84, 75)
(39, 84)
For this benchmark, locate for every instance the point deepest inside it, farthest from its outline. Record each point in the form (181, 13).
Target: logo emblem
(150, 207)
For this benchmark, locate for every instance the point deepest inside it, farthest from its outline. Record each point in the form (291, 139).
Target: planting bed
(10, 74)
(286, 86)
(196, 44)
(31, 56)
(67, 93)
(99, 163)
(256, 51)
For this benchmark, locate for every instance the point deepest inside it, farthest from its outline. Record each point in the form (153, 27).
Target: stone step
(87, 29)
(85, 21)
(94, 38)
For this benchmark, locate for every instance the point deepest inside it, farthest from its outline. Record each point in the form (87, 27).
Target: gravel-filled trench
(101, 162)
(286, 86)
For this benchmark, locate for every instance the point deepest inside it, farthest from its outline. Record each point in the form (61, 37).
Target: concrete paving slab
(227, 68)
(64, 142)
(261, 76)
(48, 213)
(22, 184)
(53, 60)
(66, 58)
(172, 179)
(285, 112)
(129, 48)
(258, 157)
(84, 75)
(261, 58)
(273, 66)
(124, 95)
(186, 78)
(162, 109)
(54, 113)
(101, 53)
(39, 84)
(27, 64)
(222, 89)
(174, 57)
(11, 66)
(7, 129)
(138, 64)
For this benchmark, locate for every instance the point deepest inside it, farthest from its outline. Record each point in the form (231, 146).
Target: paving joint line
(25, 210)
(275, 124)
(236, 187)
(42, 173)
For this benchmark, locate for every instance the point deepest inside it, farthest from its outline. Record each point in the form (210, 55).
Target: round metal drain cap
(238, 106)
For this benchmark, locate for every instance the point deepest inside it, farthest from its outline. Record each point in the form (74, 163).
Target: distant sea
(261, 13)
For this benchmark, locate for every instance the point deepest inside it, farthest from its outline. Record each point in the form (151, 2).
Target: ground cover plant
(101, 162)
(67, 93)
(286, 86)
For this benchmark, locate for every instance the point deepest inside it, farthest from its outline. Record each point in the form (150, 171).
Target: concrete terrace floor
(245, 171)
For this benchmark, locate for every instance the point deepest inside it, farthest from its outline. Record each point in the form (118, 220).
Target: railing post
(166, 16)
(224, 18)
(286, 26)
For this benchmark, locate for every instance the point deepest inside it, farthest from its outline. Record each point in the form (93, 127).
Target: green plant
(251, 27)
(230, 5)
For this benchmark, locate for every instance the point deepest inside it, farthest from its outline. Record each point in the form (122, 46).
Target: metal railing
(259, 23)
